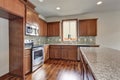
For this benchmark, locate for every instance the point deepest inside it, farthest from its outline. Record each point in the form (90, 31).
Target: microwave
(32, 30)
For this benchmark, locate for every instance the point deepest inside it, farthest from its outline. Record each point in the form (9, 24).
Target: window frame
(76, 28)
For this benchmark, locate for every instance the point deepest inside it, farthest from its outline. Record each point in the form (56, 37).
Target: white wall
(4, 47)
(108, 27)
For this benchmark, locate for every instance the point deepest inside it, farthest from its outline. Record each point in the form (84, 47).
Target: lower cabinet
(63, 52)
(55, 52)
(27, 61)
(86, 71)
(89, 74)
(69, 52)
(46, 52)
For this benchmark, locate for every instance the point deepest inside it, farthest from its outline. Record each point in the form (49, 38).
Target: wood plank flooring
(54, 70)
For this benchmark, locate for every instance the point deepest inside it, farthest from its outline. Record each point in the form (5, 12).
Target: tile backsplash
(81, 40)
(37, 39)
(49, 40)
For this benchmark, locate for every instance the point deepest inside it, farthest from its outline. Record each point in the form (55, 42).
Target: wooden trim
(62, 27)
(32, 10)
(88, 19)
(69, 20)
(54, 22)
(30, 5)
(2, 77)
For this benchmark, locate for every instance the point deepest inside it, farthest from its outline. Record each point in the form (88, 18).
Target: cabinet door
(41, 26)
(53, 29)
(72, 54)
(56, 30)
(83, 28)
(52, 53)
(28, 16)
(65, 54)
(27, 59)
(92, 27)
(55, 52)
(88, 27)
(90, 74)
(35, 19)
(1, 3)
(46, 53)
(50, 29)
(44, 28)
(69, 52)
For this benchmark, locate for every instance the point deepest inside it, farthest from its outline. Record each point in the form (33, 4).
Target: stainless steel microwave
(32, 30)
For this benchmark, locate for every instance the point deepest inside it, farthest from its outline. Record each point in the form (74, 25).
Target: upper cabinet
(53, 29)
(88, 27)
(18, 8)
(42, 27)
(31, 16)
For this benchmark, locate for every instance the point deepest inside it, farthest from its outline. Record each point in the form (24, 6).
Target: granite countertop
(104, 62)
(79, 45)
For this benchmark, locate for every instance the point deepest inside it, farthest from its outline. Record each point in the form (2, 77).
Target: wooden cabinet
(42, 28)
(85, 69)
(92, 27)
(28, 16)
(27, 61)
(88, 27)
(55, 52)
(13, 6)
(46, 52)
(53, 29)
(32, 17)
(69, 52)
(63, 52)
(90, 74)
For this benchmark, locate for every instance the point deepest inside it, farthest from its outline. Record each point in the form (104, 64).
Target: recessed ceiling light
(41, 0)
(99, 2)
(58, 8)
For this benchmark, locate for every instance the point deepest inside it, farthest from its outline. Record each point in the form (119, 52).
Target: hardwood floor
(54, 70)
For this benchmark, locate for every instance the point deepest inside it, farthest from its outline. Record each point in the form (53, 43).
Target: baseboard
(2, 77)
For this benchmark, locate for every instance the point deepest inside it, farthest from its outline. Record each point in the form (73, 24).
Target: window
(69, 30)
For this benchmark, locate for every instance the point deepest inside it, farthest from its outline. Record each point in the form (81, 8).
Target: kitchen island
(103, 62)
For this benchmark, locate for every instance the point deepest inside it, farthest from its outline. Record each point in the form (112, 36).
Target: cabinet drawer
(55, 46)
(67, 46)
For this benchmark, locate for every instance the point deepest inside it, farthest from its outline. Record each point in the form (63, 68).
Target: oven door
(37, 56)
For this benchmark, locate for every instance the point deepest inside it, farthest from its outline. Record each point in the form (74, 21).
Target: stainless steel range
(37, 57)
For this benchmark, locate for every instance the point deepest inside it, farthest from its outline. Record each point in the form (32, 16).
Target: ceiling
(73, 7)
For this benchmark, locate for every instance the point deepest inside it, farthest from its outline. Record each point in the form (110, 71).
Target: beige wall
(108, 27)
(4, 47)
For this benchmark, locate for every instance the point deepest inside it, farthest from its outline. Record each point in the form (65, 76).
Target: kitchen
(61, 47)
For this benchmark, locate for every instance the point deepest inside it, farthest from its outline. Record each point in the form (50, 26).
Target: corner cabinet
(88, 27)
(42, 27)
(53, 29)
